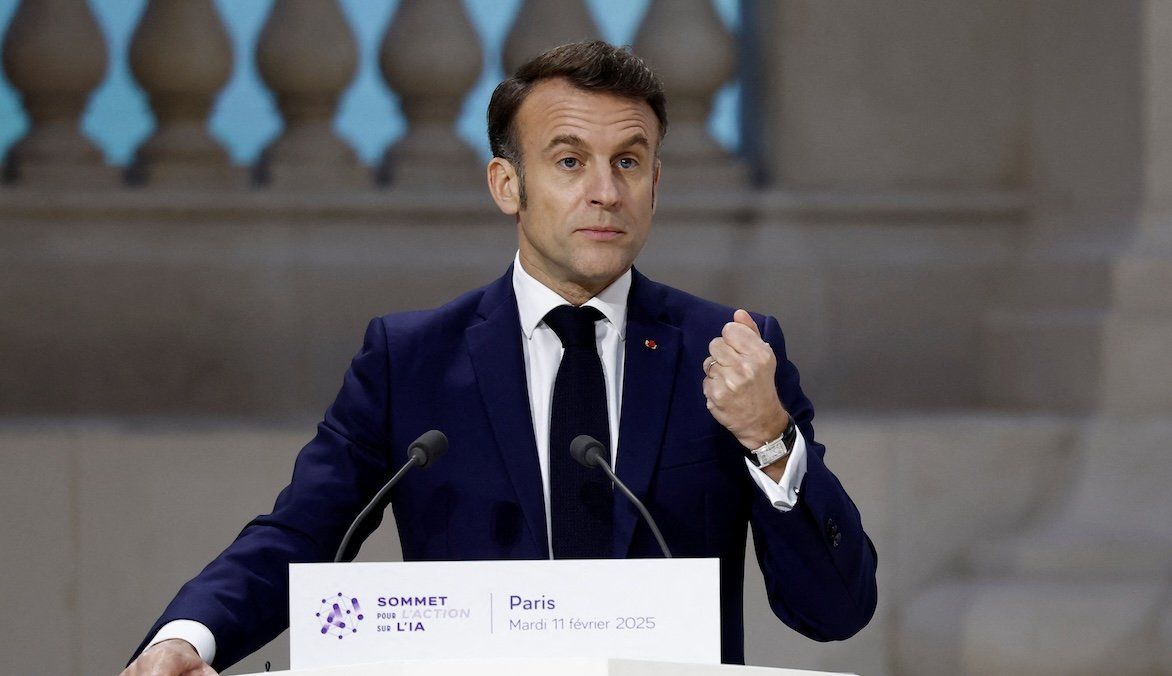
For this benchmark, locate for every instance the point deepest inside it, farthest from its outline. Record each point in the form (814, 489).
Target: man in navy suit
(706, 417)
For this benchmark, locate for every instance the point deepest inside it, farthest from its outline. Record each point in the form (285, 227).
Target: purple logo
(339, 615)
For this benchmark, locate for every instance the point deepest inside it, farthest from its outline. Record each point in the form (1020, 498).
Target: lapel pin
(650, 344)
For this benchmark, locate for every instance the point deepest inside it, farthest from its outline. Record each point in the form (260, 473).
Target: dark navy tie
(581, 499)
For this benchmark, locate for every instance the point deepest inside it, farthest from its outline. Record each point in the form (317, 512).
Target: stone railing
(205, 265)
(430, 56)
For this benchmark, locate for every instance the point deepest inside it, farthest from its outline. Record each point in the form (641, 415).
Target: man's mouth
(601, 233)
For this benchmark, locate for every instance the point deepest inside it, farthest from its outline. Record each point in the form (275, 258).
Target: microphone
(421, 453)
(590, 452)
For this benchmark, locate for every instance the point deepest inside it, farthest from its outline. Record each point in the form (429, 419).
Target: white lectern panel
(580, 667)
(649, 609)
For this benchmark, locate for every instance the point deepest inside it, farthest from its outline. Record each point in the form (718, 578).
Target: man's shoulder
(687, 310)
(451, 318)
(689, 305)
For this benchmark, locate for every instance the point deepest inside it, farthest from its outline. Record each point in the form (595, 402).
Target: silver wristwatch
(776, 449)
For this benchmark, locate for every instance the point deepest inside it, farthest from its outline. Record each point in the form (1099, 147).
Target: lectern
(628, 617)
(568, 667)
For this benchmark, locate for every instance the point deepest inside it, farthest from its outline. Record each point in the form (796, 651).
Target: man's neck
(535, 299)
(574, 293)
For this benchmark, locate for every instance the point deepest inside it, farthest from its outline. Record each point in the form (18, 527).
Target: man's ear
(655, 183)
(504, 186)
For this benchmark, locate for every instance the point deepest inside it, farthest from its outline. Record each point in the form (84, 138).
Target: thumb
(743, 317)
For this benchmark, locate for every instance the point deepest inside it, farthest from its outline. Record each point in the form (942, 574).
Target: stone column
(688, 46)
(1089, 584)
(182, 57)
(543, 24)
(431, 57)
(54, 55)
(905, 125)
(307, 56)
(1137, 366)
(1042, 341)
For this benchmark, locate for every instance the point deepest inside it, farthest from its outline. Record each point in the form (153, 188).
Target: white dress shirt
(543, 353)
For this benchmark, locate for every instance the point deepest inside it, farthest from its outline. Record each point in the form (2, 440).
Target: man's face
(590, 174)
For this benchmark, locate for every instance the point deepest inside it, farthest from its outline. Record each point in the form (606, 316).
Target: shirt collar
(535, 300)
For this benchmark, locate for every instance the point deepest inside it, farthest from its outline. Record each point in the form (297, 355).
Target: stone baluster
(688, 46)
(181, 56)
(54, 55)
(431, 56)
(543, 24)
(307, 55)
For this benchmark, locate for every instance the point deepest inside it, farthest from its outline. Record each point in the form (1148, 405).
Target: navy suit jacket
(460, 369)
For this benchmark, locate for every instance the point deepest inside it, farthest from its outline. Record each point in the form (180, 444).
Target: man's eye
(569, 162)
(627, 163)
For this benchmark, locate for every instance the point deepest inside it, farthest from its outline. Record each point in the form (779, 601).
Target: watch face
(768, 454)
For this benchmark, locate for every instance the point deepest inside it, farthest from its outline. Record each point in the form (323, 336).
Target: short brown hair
(595, 66)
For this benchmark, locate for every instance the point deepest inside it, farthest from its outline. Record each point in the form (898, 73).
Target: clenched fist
(739, 385)
(173, 657)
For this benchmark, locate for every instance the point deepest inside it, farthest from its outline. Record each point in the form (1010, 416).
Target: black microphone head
(428, 447)
(586, 450)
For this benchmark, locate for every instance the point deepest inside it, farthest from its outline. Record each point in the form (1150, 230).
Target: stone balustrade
(431, 57)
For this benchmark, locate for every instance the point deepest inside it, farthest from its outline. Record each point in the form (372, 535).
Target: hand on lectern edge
(173, 657)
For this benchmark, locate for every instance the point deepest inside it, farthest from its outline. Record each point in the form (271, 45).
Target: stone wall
(250, 304)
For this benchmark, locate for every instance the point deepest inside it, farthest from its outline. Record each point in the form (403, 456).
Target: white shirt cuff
(191, 631)
(784, 493)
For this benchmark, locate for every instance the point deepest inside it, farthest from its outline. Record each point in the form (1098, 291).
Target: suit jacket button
(832, 533)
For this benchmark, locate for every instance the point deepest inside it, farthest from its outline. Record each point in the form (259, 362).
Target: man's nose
(605, 188)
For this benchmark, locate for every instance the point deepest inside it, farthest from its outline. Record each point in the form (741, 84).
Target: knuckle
(733, 332)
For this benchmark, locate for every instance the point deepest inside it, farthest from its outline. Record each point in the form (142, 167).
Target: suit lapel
(648, 378)
(499, 363)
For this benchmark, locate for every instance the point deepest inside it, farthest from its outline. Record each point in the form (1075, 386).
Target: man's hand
(740, 389)
(173, 657)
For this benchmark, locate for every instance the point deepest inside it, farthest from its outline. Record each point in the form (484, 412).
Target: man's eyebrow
(637, 140)
(565, 139)
(577, 142)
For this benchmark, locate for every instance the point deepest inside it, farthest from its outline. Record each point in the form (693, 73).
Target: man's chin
(598, 278)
